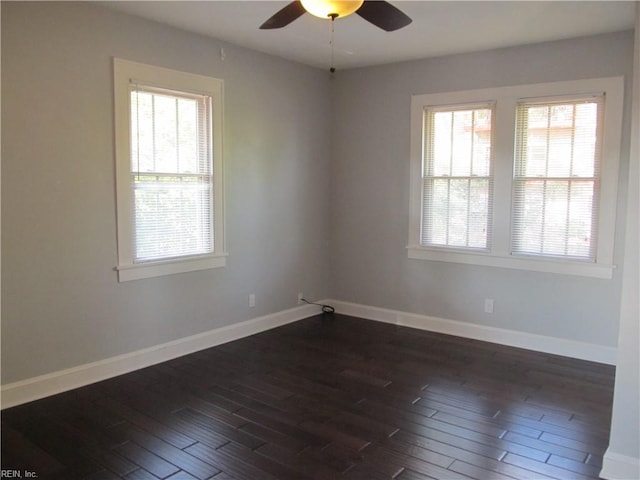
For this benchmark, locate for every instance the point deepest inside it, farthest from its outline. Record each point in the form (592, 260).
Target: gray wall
(61, 303)
(370, 196)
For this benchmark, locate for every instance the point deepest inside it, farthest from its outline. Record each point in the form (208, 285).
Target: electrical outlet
(300, 297)
(488, 305)
(252, 300)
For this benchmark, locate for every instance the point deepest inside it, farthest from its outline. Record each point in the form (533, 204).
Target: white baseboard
(616, 466)
(512, 338)
(57, 382)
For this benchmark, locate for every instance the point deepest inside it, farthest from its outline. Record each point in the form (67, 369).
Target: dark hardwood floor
(330, 397)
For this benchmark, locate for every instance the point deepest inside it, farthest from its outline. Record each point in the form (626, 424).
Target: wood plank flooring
(329, 397)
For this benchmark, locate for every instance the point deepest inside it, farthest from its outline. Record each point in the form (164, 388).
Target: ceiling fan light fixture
(331, 8)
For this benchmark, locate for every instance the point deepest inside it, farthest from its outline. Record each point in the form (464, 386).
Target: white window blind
(556, 178)
(171, 173)
(456, 177)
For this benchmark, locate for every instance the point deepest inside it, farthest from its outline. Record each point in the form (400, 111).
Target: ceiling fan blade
(383, 15)
(284, 17)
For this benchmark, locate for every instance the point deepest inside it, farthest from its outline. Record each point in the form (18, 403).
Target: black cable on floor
(325, 308)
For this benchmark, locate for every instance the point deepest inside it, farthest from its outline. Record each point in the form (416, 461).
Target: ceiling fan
(381, 14)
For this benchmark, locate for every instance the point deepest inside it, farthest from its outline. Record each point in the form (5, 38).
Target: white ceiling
(438, 27)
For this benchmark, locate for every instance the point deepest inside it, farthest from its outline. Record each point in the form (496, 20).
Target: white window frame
(506, 100)
(126, 73)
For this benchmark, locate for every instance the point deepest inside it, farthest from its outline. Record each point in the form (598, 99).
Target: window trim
(506, 99)
(124, 73)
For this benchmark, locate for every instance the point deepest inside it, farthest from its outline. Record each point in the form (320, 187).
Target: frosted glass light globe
(330, 8)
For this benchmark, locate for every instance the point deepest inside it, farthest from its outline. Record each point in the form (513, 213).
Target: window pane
(580, 219)
(560, 144)
(188, 137)
(534, 162)
(142, 136)
(478, 213)
(461, 143)
(481, 143)
(173, 217)
(437, 211)
(458, 212)
(441, 144)
(585, 153)
(554, 225)
(530, 204)
(165, 134)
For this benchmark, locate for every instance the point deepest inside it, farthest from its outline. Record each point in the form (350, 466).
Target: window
(556, 178)
(518, 177)
(169, 171)
(457, 179)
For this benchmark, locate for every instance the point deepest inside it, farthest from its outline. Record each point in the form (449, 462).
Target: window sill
(138, 271)
(549, 265)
